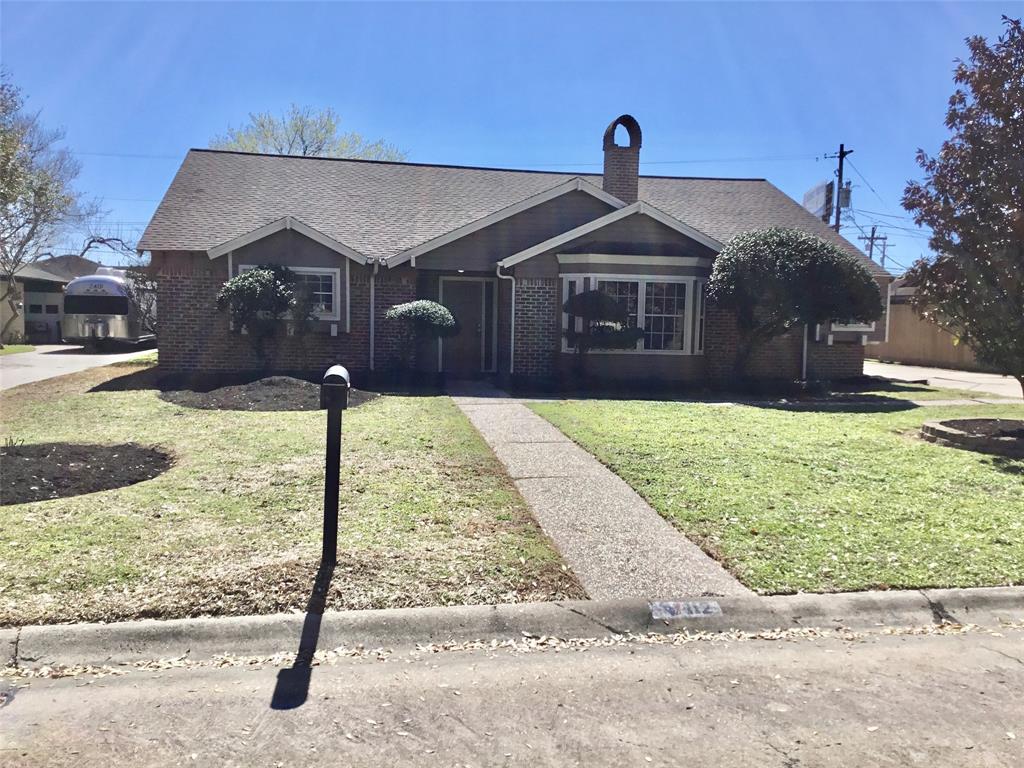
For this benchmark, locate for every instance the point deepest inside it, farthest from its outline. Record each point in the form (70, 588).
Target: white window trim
(335, 272)
(590, 281)
(859, 327)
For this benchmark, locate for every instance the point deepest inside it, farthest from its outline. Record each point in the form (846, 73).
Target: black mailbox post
(334, 397)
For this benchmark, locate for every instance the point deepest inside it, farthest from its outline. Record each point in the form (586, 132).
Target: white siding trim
(585, 259)
(637, 208)
(287, 222)
(573, 185)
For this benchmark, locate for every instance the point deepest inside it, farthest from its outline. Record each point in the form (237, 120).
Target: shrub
(603, 325)
(258, 300)
(419, 321)
(776, 279)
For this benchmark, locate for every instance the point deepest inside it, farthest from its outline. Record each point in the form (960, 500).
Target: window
(323, 284)
(661, 305)
(320, 286)
(96, 305)
(664, 315)
(35, 309)
(52, 309)
(627, 293)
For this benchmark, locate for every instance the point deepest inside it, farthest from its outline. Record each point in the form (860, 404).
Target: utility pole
(872, 239)
(843, 152)
(885, 247)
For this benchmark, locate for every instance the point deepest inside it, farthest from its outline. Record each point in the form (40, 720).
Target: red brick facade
(195, 336)
(538, 335)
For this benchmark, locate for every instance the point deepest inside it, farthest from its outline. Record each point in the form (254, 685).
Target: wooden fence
(917, 342)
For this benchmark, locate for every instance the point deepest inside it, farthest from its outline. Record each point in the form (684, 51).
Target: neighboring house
(501, 248)
(41, 306)
(69, 266)
(913, 340)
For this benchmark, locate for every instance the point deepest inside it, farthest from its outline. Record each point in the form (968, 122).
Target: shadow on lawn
(841, 404)
(292, 687)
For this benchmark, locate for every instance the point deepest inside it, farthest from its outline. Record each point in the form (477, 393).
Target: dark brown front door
(462, 356)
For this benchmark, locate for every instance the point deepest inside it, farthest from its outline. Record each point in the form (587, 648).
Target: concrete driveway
(988, 383)
(51, 360)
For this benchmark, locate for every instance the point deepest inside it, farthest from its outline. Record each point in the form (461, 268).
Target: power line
(868, 183)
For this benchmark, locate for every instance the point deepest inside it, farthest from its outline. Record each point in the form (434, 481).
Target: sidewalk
(615, 543)
(982, 383)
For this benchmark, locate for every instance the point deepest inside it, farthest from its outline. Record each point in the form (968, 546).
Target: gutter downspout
(803, 363)
(373, 310)
(512, 322)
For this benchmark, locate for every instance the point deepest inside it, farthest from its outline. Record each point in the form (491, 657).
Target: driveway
(52, 360)
(990, 383)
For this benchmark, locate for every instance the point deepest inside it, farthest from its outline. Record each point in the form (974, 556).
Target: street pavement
(982, 383)
(874, 699)
(51, 360)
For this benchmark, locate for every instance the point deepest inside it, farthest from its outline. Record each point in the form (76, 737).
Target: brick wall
(194, 336)
(781, 358)
(537, 327)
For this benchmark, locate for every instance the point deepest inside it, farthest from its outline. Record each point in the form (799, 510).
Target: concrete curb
(397, 629)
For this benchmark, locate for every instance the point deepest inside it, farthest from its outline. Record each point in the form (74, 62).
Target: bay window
(669, 309)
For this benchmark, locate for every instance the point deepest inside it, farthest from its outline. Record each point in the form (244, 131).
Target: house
(42, 306)
(501, 248)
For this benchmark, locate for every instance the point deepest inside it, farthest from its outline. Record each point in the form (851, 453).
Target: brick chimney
(622, 164)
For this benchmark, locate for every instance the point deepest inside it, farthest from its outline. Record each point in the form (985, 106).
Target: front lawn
(428, 517)
(816, 500)
(13, 349)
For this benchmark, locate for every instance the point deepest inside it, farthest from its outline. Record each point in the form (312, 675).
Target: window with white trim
(664, 315)
(323, 284)
(658, 304)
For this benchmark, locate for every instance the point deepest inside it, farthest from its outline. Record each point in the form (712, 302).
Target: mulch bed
(989, 427)
(42, 471)
(274, 393)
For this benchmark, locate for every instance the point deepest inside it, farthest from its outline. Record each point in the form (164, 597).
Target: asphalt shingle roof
(381, 209)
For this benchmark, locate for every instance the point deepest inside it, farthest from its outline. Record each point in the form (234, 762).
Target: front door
(471, 351)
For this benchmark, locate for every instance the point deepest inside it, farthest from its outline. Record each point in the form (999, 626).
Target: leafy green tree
(38, 201)
(972, 198)
(260, 301)
(603, 325)
(776, 279)
(419, 321)
(304, 131)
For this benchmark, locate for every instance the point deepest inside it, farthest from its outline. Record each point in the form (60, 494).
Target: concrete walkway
(51, 360)
(616, 544)
(982, 383)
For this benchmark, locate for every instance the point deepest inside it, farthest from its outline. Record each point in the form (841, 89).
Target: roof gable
(639, 208)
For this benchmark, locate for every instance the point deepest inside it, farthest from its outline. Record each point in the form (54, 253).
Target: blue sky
(510, 85)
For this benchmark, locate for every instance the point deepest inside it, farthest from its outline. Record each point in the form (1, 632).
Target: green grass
(428, 516)
(13, 349)
(816, 500)
(899, 390)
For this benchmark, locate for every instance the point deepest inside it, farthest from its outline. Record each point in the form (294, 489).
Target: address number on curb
(689, 609)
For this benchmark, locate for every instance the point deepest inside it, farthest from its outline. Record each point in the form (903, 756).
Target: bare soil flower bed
(42, 471)
(274, 393)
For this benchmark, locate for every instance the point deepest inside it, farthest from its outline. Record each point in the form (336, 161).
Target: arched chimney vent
(622, 164)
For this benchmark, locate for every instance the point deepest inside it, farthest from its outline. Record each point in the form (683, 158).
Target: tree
(419, 321)
(972, 198)
(603, 325)
(776, 279)
(38, 201)
(259, 301)
(304, 131)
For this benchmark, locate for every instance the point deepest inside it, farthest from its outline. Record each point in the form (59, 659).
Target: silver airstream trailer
(99, 308)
